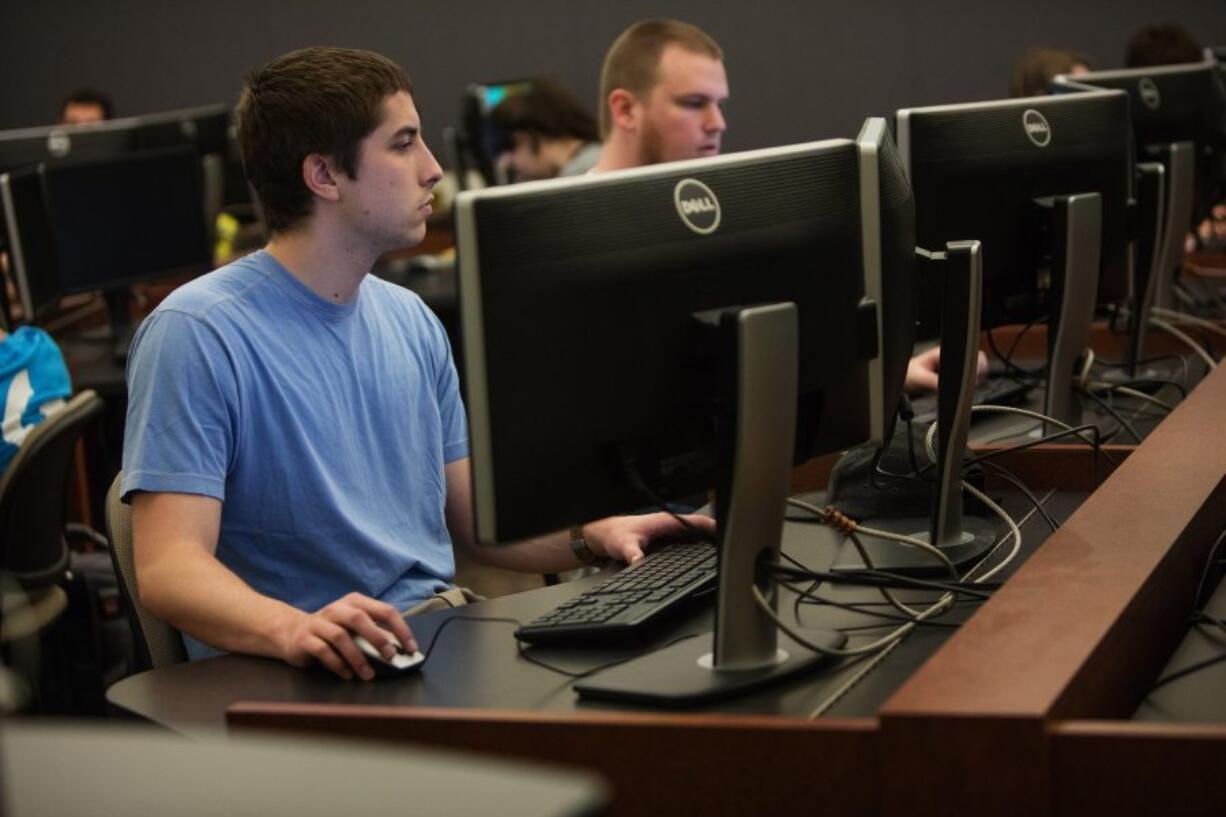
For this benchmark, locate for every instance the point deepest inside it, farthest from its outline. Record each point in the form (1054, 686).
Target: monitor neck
(1076, 231)
(961, 310)
(750, 509)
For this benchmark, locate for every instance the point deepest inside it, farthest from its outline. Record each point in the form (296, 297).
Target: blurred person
(1162, 44)
(85, 105)
(34, 384)
(1036, 67)
(550, 133)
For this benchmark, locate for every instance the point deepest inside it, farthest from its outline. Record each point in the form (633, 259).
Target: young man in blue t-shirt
(296, 453)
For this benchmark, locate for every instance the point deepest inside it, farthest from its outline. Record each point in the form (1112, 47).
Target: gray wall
(798, 70)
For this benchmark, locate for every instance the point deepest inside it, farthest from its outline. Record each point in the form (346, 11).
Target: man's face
(681, 118)
(389, 201)
(526, 159)
(78, 113)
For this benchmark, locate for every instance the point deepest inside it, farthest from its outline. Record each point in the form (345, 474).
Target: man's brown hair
(1162, 44)
(633, 59)
(545, 109)
(314, 100)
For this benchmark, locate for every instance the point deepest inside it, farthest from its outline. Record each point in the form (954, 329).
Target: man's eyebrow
(410, 131)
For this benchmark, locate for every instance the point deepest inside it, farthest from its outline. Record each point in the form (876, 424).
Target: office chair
(157, 643)
(33, 550)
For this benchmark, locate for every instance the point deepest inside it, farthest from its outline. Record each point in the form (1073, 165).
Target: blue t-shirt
(323, 428)
(33, 384)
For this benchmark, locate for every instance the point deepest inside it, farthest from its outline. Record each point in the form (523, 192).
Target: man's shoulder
(219, 289)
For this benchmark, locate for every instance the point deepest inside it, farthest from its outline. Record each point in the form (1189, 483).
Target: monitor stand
(1165, 191)
(1076, 230)
(962, 539)
(1180, 161)
(747, 650)
(1150, 255)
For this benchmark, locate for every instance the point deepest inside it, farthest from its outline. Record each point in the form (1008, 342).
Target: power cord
(1186, 339)
(1007, 357)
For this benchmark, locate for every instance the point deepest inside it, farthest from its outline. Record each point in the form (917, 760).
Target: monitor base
(978, 537)
(681, 675)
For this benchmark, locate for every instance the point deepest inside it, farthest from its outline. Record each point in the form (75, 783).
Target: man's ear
(624, 109)
(319, 175)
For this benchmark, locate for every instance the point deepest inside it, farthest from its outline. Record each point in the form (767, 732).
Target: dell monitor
(1046, 185)
(1170, 104)
(639, 336)
(25, 147)
(1177, 120)
(84, 226)
(205, 127)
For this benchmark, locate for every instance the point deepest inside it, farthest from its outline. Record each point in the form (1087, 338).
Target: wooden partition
(662, 764)
(1078, 633)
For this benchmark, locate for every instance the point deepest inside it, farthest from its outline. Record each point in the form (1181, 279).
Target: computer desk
(1023, 710)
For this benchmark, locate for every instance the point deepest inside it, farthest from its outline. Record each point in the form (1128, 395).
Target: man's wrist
(280, 631)
(582, 548)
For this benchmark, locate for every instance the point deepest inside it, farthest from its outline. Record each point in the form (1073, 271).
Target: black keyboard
(630, 601)
(995, 391)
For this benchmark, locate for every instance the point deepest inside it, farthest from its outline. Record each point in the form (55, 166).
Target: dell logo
(697, 206)
(1149, 93)
(1036, 127)
(58, 143)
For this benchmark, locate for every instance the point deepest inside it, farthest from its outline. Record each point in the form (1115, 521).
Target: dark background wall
(798, 70)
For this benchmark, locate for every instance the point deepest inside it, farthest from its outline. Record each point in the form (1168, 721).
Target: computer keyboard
(630, 601)
(995, 391)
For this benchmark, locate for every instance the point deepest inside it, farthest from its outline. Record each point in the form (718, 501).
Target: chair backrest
(33, 490)
(157, 643)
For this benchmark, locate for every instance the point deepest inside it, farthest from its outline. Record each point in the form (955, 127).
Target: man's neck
(333, 268)
(618, 153)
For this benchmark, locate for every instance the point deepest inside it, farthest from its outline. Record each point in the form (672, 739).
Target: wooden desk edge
(1075, 633)
(657, 763)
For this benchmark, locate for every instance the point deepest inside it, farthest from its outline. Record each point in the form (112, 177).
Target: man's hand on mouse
(325, 635)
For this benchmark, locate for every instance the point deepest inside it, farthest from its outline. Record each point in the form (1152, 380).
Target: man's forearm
(199, 595)
(544, 554)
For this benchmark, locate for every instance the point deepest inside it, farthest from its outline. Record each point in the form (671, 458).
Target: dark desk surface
(475, 663)
(1197, 697)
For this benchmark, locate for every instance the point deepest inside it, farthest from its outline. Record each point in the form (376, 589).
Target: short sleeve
(183, 400)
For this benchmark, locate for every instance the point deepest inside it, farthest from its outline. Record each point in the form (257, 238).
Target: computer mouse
(401, 663)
